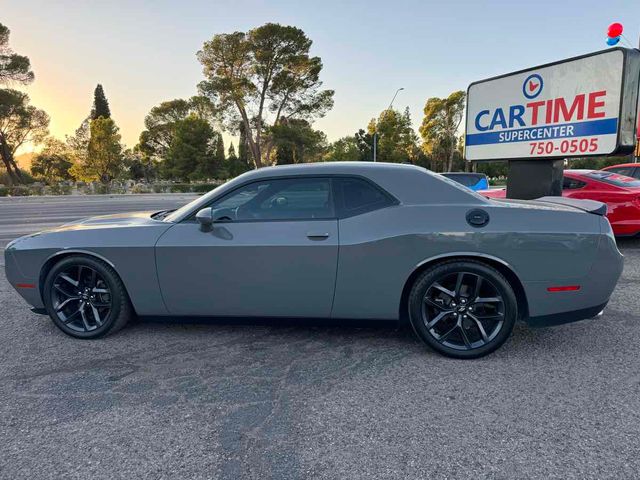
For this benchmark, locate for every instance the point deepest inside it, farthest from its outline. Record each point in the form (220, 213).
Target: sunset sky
(144, 52)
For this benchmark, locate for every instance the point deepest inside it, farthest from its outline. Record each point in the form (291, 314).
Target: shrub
(58, 189)
(140, 188)
(180, 188)
(26, 176)
(203, 187)
(19, 191)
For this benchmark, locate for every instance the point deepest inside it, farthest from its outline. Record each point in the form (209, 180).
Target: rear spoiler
(589, 206)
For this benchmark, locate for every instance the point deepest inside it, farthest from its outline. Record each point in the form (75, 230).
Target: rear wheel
(85, 298)
(463, 309)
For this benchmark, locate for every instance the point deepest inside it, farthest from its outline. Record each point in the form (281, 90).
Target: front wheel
(463, 309)
(85, 298)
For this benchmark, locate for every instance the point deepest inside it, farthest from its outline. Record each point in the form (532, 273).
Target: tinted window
(628, 171)
(614, 179)
(283, 199)
(571, 183)
(359, 196)
(466, 179)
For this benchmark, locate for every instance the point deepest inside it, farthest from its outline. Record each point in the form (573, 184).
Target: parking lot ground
(287, 400)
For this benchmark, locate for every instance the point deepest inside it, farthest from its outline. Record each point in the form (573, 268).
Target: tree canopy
(345, 149)
(104, 156)
(297, 142)
(163, 119)
(261, 77)
(52, 164)
(20, 123)
(442, 117)
(397, 141)
(191, 154)
(13, 67)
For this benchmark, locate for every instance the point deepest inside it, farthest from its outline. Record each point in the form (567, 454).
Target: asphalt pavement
(298, 400)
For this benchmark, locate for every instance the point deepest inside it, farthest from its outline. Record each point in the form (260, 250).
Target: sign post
(580, 107)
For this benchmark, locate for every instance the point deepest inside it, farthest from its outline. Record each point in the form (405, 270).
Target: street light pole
(375, 132)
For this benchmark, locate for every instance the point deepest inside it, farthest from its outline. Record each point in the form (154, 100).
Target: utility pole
(375, 132)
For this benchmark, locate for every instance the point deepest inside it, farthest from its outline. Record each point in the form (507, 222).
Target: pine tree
(219, 159)
(104, 154)
(231, 153)
(100, 104)
(235, 166)
(243, 152)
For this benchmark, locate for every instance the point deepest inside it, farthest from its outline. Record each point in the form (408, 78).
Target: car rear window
(614, 179)
(628, 171)
(466, 179)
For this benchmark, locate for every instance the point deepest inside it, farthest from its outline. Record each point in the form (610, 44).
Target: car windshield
(176, 214)
(614, 179)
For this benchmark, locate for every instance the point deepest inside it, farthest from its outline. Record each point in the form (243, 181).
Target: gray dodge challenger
(336, 240)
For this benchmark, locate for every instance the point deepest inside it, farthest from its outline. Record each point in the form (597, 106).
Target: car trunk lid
(560, 203)
(589, 206)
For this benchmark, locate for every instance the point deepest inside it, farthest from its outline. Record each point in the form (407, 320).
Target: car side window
(636, 173)
(355, 196)
(280, 199)
(572, 184)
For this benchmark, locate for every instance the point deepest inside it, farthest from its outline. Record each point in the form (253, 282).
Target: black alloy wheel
(85, 297)
(463, 309)
(81, 298)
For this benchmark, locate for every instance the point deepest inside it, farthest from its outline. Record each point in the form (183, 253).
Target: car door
(274, 255)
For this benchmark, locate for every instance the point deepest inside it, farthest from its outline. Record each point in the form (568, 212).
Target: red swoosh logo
(532, 86)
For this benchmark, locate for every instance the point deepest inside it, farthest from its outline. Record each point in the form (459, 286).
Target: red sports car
(628, 169)
(619, 192)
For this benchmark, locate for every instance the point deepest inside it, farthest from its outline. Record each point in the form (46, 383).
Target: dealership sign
(579, 107)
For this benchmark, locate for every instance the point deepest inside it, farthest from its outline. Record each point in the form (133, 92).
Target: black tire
(93, 290)
(446, 304)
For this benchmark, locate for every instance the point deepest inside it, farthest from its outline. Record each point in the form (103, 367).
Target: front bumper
(27, 287)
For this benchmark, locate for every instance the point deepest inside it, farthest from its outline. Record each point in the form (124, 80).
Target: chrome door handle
(317, 236)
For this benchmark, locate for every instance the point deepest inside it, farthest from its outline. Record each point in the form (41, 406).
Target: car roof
(622, 165)
(328, 168)
(404, 181)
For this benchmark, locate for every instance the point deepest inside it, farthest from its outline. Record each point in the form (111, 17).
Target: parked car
(619, 192)
(474, 181)
(628, 169)
(350, 240)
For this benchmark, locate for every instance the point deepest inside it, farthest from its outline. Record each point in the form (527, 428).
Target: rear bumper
(566, 317)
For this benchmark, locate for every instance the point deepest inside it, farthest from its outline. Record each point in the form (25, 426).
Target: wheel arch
(62, 254)
(497, 263)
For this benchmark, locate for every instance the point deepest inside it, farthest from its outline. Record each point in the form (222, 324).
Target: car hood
(100, 226)
(130, 219)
